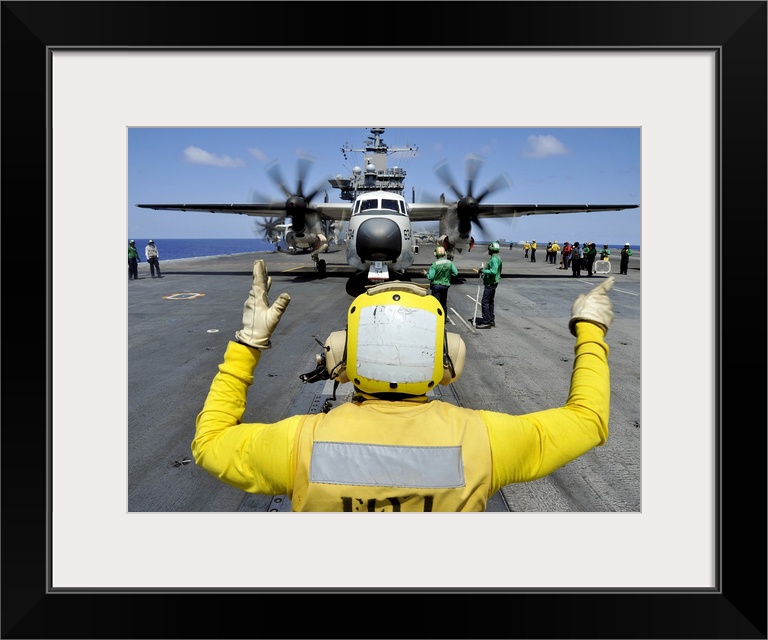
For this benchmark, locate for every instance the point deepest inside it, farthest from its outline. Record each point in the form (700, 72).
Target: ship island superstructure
(374, 175)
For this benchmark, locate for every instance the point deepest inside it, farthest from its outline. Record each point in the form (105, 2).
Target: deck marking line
(184, 296)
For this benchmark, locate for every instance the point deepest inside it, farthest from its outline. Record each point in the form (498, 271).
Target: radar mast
(374, 174)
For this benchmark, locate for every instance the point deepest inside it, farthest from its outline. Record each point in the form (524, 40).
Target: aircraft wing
(327, 211)
(422, 212)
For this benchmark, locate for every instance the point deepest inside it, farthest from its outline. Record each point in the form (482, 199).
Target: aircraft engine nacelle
(298, 220)
(302, 241)
(466, 210)
(455, 233)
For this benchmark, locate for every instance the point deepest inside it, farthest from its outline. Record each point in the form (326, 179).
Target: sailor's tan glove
(260, 319)
(594, 307)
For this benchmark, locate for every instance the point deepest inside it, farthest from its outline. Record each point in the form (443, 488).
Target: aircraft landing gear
(320, 245)
(357, 283)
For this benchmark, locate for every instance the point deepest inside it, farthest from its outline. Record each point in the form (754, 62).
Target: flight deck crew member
(624, 262)
(605, 252)
(590, 253)
(392, 448)
(576, 258)
(153, 258)
(491, 274)
(533, 251)
(555, 251)
(133, 260)
(439, 276)
(566, 261)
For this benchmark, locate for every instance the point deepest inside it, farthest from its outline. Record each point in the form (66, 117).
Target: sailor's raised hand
(259, 318)
(594, 307)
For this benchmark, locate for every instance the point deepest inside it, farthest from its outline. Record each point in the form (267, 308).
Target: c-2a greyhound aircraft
(380, 241)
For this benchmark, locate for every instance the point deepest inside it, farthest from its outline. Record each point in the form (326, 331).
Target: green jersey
(492, 271)
(441, 271)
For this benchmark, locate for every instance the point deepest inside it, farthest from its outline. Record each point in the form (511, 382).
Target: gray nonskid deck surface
(179, 326)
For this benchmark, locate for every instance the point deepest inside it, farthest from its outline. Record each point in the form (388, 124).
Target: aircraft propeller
(469, 205)
(268, 228)
(297, 203)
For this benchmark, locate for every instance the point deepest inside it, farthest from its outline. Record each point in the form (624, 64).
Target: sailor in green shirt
(439, 275)
(491, 275)
(133, 261)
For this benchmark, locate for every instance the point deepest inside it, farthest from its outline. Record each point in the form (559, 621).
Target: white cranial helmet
(395, 342)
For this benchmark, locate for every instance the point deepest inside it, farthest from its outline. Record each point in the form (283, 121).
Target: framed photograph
(692, 75)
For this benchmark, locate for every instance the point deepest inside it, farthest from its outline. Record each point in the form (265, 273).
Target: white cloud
(543, 146)
(258, 154)
(196, 155)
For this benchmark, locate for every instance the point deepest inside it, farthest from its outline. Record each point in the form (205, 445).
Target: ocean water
(178, 249)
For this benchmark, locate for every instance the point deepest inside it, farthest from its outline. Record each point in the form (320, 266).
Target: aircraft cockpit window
(390, 204)
(357, 207)
(365, 205)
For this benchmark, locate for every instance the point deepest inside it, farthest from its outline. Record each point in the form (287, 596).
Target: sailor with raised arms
(392, 447)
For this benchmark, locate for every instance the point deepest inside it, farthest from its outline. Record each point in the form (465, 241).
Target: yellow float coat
(382, 455)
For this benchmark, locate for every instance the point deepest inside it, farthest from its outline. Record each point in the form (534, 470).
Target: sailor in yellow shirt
(555, 251)
(391, 448)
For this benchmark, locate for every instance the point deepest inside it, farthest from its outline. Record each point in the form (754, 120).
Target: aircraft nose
(378, 239)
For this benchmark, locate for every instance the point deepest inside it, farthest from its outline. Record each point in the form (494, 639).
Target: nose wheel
(320, 267)
(356, 284)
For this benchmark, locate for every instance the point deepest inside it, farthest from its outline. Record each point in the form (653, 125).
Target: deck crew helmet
(395, 343)
(626, 244)
(440, 252)
(493, 247)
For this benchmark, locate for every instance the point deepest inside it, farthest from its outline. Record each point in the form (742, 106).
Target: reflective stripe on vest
(430, 456)
(351, 463)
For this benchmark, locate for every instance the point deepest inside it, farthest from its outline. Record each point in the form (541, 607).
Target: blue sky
(544, 165)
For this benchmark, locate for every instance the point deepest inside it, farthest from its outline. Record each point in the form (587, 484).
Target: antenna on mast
(374, 176)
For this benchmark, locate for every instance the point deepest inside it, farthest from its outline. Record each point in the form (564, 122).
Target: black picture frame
(735, 609)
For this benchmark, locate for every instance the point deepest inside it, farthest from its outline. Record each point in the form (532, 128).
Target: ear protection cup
(456, 351)
(335, 356)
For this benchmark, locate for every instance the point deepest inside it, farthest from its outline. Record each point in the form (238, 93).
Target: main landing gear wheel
(320, 267)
